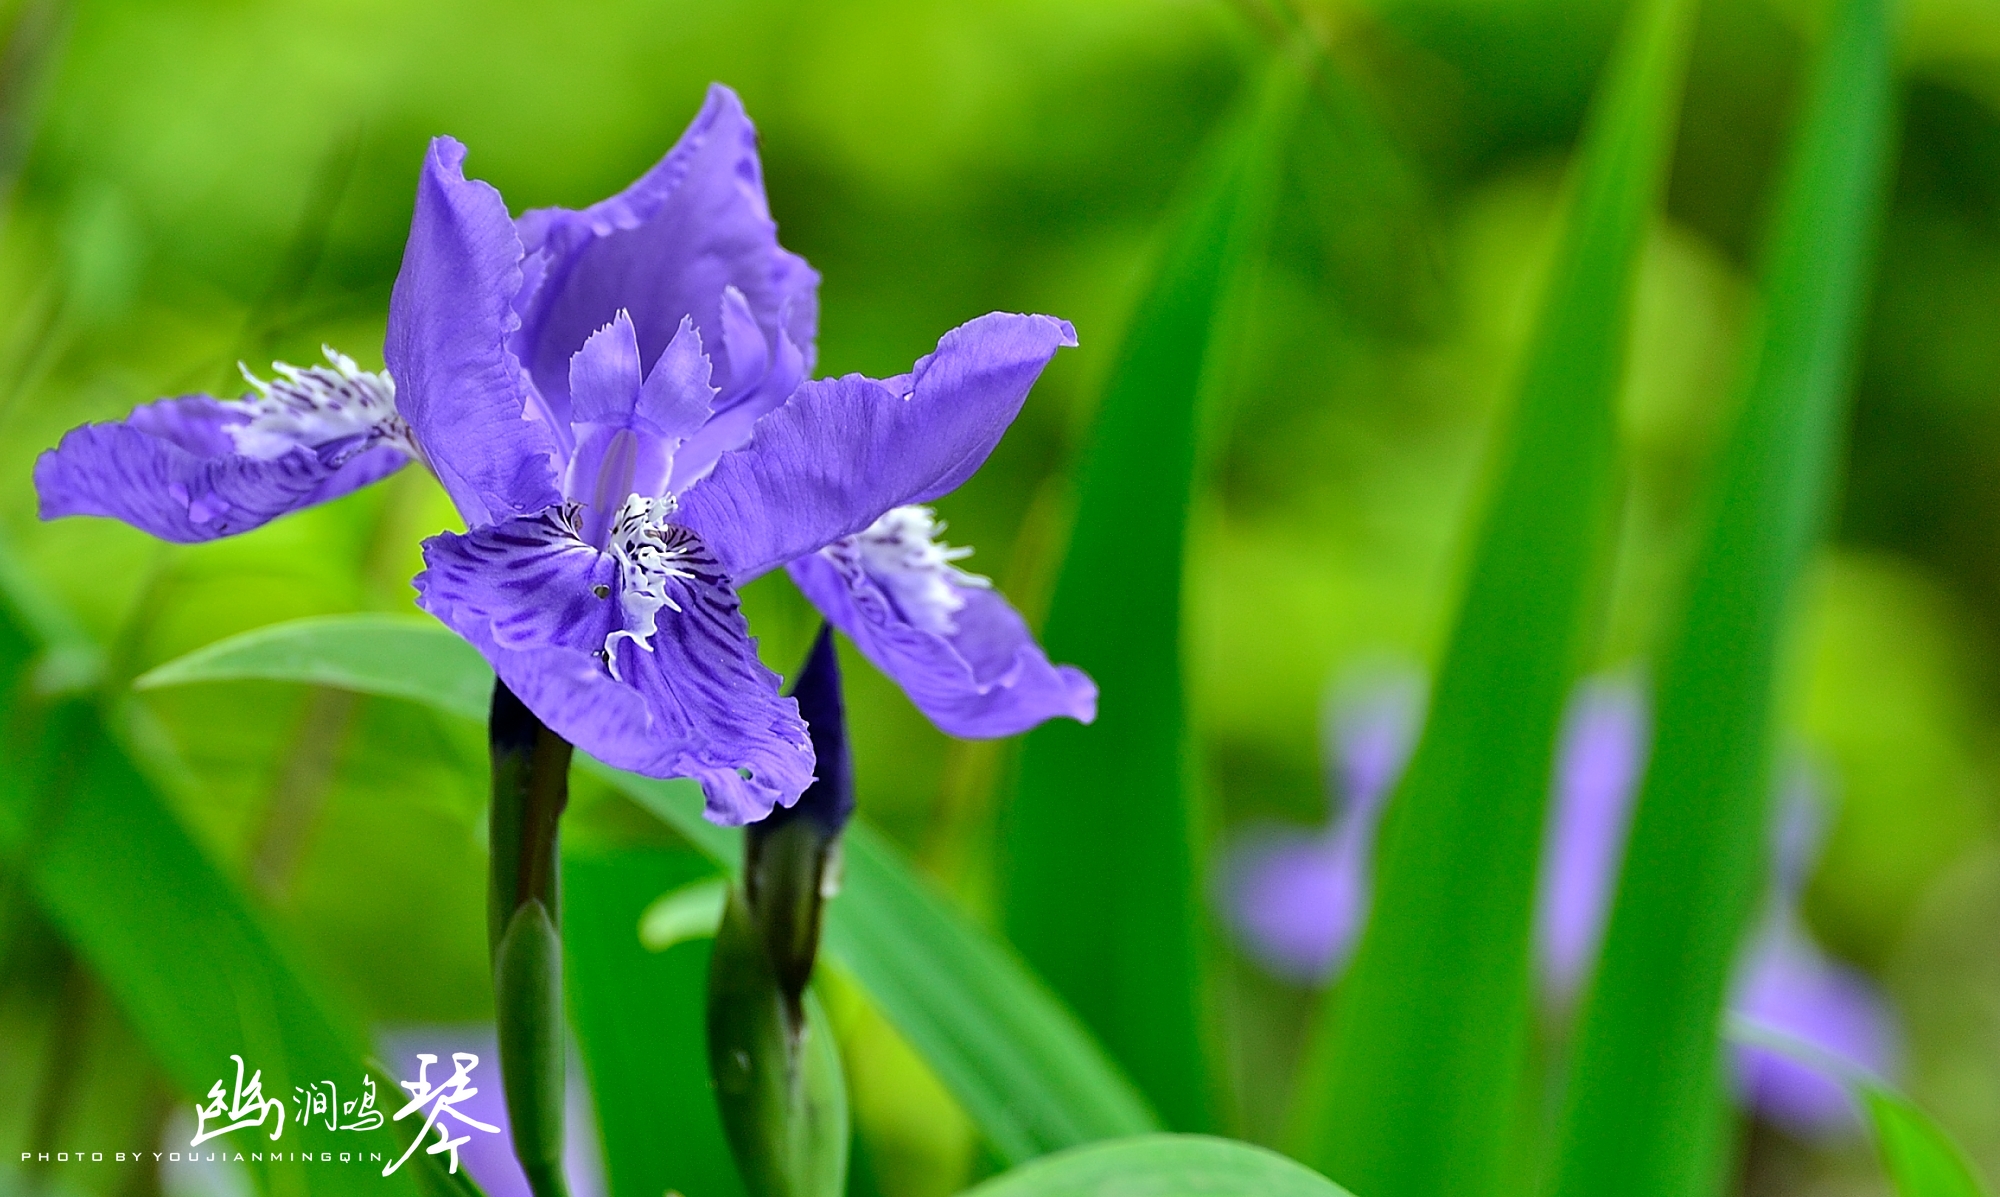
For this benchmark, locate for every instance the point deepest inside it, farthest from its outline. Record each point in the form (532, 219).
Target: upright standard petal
(195, 468)
(962, 654)
(450, 317)
(688, 698)
(842, 452)
(668, 247)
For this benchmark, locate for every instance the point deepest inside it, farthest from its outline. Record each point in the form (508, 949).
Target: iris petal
(664, 248)
(174, 469)
(841, 452)
(694, 701)
(450, 315)
(984, 679)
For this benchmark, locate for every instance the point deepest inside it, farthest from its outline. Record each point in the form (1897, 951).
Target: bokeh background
(187, 185)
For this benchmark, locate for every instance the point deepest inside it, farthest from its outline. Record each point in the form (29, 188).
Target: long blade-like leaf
(1413, 1089)
(398, 656)
(1032, 1079)
(1162, 1166)
(638, 1017)
(1920, 1158)
(188, 960)
(1122, 944)
(1642, 1114)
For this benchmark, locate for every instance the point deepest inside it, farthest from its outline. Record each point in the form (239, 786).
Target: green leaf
(398, 656)
(1921, 1159)
(1122, 945)
(691, 912)
(638, 1020)
(1027, 1073)
(189, 960)
(1162, 1166)
(1412, 1088)
(1643, 1100)
(1030, 1076)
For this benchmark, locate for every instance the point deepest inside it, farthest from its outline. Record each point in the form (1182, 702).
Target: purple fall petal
(842, 452)
(450, 316)
(664, 248)
(983, 678)
(195, 468)
(689, 698)
(1788, 984)
(1597, 769)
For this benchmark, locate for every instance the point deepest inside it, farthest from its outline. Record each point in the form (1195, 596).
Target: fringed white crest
(338, 406)
(650, 553)
(902, 552)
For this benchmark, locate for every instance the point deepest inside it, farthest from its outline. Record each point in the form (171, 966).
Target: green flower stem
(523, 917)
(777, 1073)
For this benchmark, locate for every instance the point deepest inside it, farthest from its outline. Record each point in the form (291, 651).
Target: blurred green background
(188, 185)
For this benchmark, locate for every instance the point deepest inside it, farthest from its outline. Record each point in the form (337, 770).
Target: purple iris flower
(617, 401)
(1297, 900)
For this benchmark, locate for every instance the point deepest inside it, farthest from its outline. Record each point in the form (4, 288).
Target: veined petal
(773, 379)
(977, 674)
(626, 431)
(196, 468)
(841, 452)
(676, 397)
(604, 374)
(450, 317)
(664, 248)
(690, 700)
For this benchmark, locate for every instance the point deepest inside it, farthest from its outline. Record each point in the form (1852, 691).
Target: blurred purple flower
(1597, 769)
(490, 1157)
(616, 400)
(1297, 900)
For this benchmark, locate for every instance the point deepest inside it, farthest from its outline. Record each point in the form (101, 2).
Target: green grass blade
(187, 958)
(1162, 1166)
(1122, 944)
(1027, 1072)
(1920, 1158)
(1412, 1089)
(1030, 1076)
(638, 1017)
(1642, 1113)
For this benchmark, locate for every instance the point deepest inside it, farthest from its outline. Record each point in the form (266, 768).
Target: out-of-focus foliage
(190, 184)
